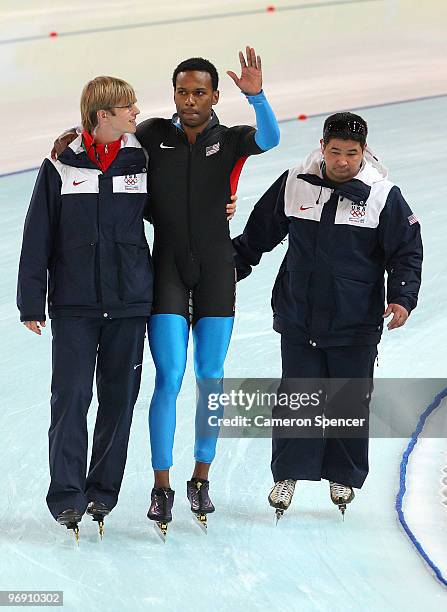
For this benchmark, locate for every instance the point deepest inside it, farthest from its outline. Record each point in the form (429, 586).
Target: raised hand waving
(250, 81)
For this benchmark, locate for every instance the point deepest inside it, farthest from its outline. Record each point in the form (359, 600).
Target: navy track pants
(342, 460)
(115, 348)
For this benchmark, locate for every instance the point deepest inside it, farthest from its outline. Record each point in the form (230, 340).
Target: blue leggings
(168, 340)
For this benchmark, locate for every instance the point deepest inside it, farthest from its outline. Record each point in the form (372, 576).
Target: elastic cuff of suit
(203, 460)
(258, 98)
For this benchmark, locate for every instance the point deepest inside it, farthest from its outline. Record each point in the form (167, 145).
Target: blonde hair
(103, 93)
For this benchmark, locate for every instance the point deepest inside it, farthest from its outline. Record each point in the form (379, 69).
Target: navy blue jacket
(330, 289)
(84, 238)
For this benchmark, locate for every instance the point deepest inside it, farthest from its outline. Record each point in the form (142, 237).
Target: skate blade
(201, 521)
(75, 530)
(73, 526)
(161, 529)
(99, 518)
(342, 504)
(278, 514)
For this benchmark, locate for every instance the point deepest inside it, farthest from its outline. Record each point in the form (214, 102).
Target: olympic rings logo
(358, 213)
(131, 179)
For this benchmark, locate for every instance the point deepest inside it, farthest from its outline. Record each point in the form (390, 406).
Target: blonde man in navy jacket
(84, 232)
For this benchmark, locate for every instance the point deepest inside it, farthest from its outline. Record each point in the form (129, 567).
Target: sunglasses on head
(355, 127)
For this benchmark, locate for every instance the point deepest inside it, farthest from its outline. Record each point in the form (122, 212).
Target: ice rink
(386, 58)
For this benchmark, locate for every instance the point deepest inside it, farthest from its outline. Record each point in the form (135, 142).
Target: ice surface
(311, 560)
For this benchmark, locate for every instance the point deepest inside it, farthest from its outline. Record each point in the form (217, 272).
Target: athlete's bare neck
(106, 135)
(193, 132)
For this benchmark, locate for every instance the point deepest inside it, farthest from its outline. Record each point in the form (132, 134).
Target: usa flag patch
(412, 219)
(212, 149)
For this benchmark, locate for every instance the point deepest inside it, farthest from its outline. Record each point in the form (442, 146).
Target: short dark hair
(346, 126)
(199, 64)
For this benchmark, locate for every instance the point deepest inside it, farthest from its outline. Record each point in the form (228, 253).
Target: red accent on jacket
(101, 154)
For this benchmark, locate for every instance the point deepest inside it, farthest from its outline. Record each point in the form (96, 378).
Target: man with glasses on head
(347, 224)
(84, 229)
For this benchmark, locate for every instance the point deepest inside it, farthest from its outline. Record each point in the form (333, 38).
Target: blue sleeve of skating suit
(267, 129)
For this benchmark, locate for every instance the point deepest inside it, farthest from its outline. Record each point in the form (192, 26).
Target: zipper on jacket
(188, 201)
(327, 220)
(98, 245)
(97, 279)
(188, 191)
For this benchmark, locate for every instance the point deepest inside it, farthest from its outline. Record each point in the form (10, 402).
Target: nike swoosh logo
(163, 146)
(76, 183)
(137, 366)
(305, 207)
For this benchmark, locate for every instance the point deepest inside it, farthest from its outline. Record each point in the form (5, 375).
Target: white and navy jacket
(84, 238)
(342, 238)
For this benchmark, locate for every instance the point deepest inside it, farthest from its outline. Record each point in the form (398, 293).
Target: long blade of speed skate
(278, 514)
(74, 527)
(201, 521)
(99, 518)
(161, 529)
(76, 533)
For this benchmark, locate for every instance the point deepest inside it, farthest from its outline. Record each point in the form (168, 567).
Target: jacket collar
(353, 190)
(211, 123)
(75, 155)
(358, 188)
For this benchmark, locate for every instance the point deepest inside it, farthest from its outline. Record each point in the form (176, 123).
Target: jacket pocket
(73, 277)
(134, 272)
(290, 295)
(356, 304)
